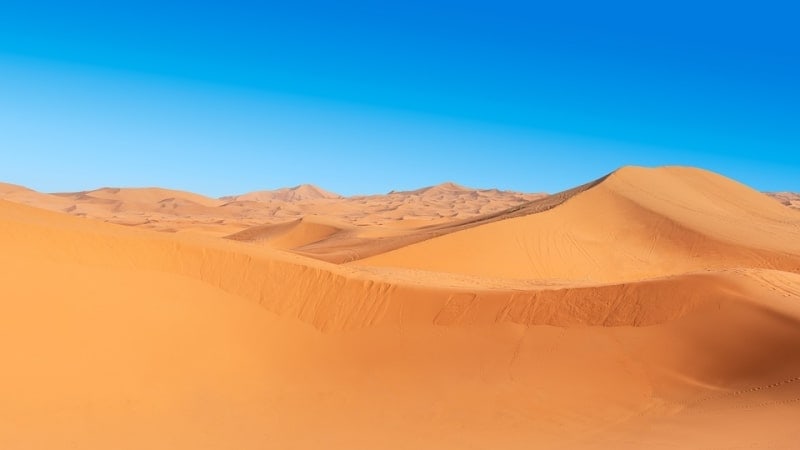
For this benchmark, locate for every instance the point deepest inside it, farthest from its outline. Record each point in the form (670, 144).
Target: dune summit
(651, 308)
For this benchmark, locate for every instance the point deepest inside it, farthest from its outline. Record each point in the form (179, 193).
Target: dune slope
(635, 224)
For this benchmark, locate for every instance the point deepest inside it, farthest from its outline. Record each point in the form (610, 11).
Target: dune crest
(635, 224)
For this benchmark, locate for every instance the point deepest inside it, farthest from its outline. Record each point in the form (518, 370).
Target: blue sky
(365, 97)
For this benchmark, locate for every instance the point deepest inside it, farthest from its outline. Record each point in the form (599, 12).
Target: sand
(790, 199)
(654, 308)
(177, 211)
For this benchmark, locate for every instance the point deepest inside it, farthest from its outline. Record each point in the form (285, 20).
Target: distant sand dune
(172, 210)
(288, 235)
(150, 196)
(304, 192)
(790, 199)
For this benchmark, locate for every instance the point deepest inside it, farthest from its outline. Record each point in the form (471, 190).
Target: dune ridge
(656, 221)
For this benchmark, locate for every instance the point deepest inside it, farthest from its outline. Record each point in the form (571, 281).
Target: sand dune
(150, 196)
(790, 199)
(407, 209)
(654, 308)
(152, 208)
(179, 211)
(25, 196)
(303, 192)
(635, 224)
(293, 234)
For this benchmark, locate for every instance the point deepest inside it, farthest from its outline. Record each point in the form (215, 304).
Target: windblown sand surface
(653, 308)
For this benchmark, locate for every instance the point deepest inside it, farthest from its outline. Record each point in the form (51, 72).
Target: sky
(369, 96)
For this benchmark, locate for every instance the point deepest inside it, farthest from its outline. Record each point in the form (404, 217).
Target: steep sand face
(366, 243)
(636, 224)
(120, 337)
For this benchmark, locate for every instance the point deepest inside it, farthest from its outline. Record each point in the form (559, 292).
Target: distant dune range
(171, 210)
(651, 308)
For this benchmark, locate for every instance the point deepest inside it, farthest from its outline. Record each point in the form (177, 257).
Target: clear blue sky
(365, 97)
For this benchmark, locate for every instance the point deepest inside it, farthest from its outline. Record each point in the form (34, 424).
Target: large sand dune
(654, 308)
(635, 224)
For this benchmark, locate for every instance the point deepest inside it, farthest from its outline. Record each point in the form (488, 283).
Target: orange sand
(656, 308)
